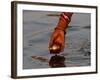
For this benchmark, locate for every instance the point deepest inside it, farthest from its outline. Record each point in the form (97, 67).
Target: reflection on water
(37, 29)
(57, 61)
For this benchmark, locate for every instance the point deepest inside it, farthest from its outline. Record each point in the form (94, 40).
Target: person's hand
(57, 41)
(58, 37)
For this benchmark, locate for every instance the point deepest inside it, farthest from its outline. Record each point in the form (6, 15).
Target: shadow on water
(57, 61)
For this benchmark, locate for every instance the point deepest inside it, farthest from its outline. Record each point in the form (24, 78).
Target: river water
(37, 30)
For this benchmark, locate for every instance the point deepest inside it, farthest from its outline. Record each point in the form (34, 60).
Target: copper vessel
(55, 49)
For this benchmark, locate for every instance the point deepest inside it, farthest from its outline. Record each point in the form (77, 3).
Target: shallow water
(36, 37)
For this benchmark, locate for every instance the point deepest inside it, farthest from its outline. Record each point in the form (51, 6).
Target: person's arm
(64, 20)
(58, 36)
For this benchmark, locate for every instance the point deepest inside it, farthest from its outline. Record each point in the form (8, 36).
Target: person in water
(57, 40)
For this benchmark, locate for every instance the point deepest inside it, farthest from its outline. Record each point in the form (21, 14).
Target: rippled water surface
(37, 30)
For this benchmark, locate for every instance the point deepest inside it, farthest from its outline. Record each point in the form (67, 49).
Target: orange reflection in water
(57, 61)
